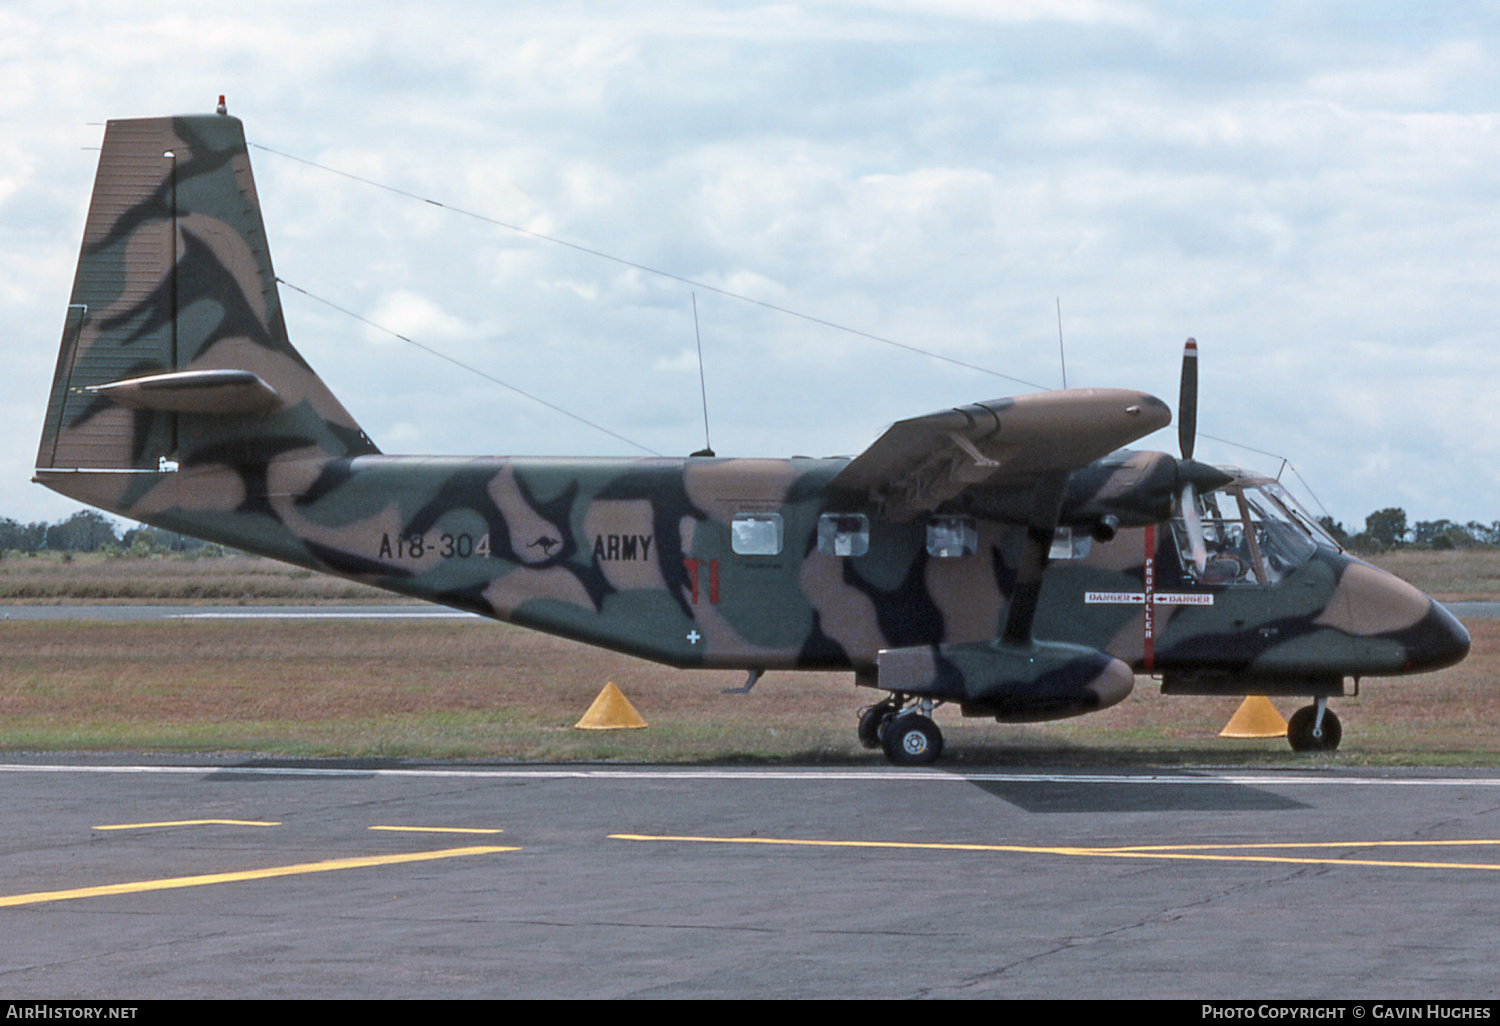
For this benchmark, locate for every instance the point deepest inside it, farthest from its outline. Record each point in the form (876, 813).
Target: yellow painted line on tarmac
(188, 822)
(927, 845)
(440, 830)
(1302, 844)
(1183, 853)
(301, 868)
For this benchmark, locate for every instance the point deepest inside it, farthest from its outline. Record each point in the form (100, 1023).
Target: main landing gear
(907, 734)
(1314, 728)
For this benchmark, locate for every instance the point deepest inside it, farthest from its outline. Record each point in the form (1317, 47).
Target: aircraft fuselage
(759, 564)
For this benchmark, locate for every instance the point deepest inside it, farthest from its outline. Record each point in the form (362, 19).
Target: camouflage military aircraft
(1007, 557)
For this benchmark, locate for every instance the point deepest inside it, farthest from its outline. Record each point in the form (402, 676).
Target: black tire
(1299, 730)
(912, 740)
(872, 720)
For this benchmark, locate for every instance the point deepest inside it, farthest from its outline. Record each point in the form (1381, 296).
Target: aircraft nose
(1395, 627)
(1435, 641)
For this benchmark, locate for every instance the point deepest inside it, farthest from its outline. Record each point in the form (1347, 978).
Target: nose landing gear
(1314, 728)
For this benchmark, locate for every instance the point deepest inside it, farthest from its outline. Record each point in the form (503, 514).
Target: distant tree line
(91, 531)
(1387, 530)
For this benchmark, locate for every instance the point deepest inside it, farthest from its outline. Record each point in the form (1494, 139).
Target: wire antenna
(708, 445)
(471, 369)
(651, 270)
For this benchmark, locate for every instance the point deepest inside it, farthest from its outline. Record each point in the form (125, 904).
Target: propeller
(1162, 484)
(1190, 472)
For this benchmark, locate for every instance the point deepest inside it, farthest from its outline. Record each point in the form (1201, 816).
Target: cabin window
(951, 537)
(844, 534)
(1070, 544)
(756, 534)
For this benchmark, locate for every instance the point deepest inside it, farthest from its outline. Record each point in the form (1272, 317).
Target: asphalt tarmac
(128, 878)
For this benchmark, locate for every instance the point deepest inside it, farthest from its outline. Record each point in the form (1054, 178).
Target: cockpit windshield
(1253, 532)
(1295, 510)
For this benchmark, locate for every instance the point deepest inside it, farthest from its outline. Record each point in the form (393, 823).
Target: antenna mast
(1060, 354)
(708, 446)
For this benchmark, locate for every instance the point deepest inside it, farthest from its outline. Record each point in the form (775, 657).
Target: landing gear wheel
(1299, 730)
(912, 740)
(873, 719)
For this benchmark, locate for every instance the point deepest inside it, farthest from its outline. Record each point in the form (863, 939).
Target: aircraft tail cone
(613, 711)
(1256, 717)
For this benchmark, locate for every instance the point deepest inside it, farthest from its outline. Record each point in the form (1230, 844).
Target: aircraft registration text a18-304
(1008, 557)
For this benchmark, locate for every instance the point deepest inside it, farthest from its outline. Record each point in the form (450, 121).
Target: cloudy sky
(1308, 188)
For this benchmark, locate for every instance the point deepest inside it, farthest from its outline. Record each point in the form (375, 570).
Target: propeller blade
(1190, 473)
(1194, 479)
(1194, 524)
(1187, 400)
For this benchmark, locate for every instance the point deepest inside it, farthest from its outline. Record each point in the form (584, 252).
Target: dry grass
(472, 689)
(410, 688)
(51, 579)
(1457, 575)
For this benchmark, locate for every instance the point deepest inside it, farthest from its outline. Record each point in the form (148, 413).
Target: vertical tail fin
(174, 351)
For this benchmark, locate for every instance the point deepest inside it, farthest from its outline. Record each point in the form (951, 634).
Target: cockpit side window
(1283, 542)
(1226, 557)
(1248, 538)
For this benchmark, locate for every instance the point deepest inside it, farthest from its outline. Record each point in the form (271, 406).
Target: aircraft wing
(918, 464)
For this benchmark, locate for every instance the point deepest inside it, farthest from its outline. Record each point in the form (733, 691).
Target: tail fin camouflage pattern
(174, 351)
(1000, 556)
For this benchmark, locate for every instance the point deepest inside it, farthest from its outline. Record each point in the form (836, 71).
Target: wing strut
(1041, 527)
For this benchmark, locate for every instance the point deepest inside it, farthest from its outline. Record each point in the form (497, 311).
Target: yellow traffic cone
(1256, 717)
(613, 711)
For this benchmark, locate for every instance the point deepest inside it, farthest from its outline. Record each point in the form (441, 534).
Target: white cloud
(415, 316)
(1019, 12)
(1401, 79)
(1309, 191)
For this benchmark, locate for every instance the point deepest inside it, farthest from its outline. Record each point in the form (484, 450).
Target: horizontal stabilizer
(226, 392)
